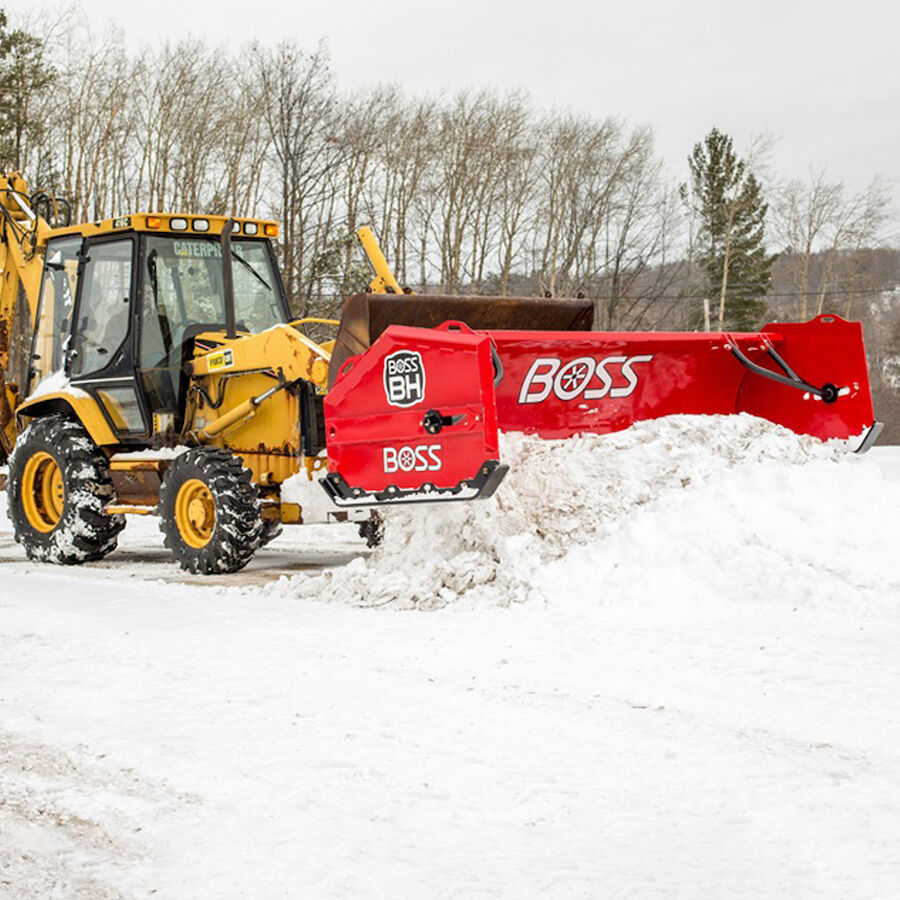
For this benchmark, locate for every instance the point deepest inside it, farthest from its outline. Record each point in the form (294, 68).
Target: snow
(158, 453)
(305, 489)
(56, 382)
(689, 690)
(557, 497)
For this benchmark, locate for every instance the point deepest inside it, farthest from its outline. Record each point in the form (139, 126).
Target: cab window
(103, 310)
(184, 287)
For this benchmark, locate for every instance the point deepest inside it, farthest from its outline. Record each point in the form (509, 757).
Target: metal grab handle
(828, 393)
(498, 366)
(456, 325)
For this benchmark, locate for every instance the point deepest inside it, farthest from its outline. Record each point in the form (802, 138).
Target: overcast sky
(823, 78)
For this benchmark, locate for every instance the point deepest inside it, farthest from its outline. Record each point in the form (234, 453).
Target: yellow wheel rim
(195, 513)
(43, 492)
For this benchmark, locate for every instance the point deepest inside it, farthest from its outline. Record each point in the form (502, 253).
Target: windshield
(183, 287)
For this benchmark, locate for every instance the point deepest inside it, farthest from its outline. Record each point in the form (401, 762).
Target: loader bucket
(366, 316)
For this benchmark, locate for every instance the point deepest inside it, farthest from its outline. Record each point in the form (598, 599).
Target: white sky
(823, 78)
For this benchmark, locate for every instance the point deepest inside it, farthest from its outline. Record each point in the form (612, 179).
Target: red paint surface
(691, 373)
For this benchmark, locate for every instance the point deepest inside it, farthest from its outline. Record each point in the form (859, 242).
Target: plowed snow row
(557, 497)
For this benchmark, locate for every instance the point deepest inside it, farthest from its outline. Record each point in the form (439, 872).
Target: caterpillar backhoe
(149, 365)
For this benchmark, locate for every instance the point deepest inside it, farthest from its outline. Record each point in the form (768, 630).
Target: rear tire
(58, 484)
(210, 512)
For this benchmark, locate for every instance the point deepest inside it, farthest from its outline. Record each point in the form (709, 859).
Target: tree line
(478, 192)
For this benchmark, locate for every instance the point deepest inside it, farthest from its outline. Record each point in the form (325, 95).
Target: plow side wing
(827, 350)
(557, 384)
(414, 418)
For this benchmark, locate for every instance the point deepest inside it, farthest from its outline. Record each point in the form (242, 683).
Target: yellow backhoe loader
(149, 365)
(135, 354)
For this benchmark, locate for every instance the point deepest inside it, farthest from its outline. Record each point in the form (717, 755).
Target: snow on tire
(210, 512)
(59, 483)
(270, 531)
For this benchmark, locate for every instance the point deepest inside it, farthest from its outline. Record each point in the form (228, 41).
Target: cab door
(102, 352)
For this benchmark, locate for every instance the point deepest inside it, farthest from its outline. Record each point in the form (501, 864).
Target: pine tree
(23, 77)
(727, 199)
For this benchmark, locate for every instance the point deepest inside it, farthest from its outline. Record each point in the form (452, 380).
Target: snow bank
(559, 496)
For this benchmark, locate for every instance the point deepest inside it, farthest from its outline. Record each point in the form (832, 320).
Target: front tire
(270, 531)
(59, 483)
(210, 512)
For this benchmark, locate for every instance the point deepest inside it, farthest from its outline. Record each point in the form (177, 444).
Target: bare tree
(822, 230)
(299, 111)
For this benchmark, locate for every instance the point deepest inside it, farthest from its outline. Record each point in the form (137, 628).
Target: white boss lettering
(571, 380)
(544, 380)
(420, 458)
(402, 386)
(603, 377)
(630, 375)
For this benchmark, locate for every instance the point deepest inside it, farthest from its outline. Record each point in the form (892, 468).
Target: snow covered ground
(659, 664)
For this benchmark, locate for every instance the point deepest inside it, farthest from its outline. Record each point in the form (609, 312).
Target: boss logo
(404, 378)
(421, 458)
(590, 378)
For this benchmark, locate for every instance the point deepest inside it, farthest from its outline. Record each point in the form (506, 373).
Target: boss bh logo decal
(590, 378)
(421, 458)
(404, 378)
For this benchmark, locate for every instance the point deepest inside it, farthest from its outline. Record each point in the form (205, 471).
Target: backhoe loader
(149, 365)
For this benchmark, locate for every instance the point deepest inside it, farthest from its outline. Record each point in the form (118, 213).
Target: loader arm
(384, 281)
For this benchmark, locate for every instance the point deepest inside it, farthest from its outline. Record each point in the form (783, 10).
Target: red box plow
(413, 412)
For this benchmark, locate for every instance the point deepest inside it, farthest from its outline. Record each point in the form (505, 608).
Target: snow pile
(558, 496)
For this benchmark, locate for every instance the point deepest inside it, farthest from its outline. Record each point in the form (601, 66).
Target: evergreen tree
(23, 77)
(727, 199)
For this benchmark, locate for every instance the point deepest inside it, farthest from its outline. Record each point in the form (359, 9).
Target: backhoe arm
(22, 235)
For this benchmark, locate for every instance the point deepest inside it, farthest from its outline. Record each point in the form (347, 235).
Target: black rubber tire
(270, 531)
(238, 524)
(84, 533)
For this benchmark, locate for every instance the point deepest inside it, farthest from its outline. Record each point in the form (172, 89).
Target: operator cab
(120, 312)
